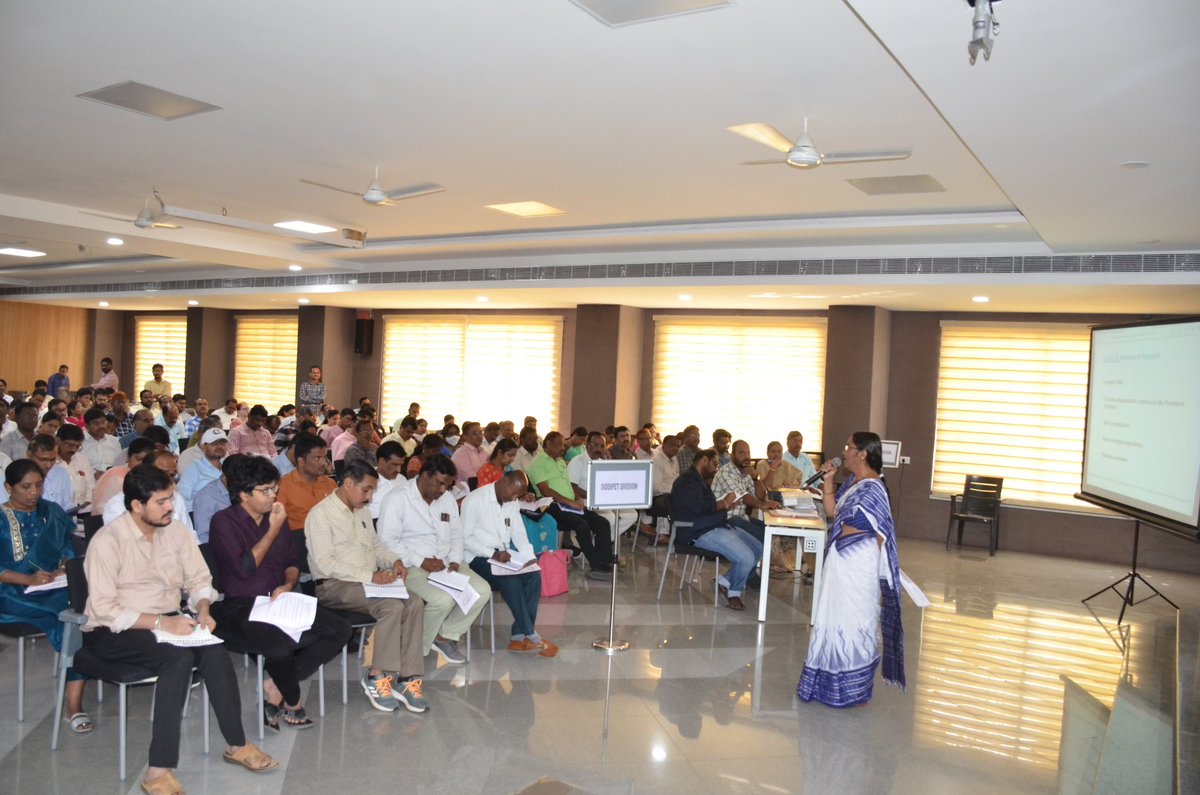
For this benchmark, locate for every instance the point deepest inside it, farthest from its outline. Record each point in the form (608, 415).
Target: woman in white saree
(860, 589)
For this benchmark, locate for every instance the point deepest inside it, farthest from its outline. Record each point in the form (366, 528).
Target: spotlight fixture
(115, 241)
(984, 29)
(193, 302)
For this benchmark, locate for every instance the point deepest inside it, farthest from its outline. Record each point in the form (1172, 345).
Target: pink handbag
(554, 571)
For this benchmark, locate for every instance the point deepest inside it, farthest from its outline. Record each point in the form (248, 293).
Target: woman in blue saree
(35, 539)
(860, 589)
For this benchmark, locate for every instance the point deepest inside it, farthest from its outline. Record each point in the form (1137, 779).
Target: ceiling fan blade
(833, 158)
(330, 187)
(413, 191)
(111, 217)
(160, 225)
(764, 134)
(762, 163)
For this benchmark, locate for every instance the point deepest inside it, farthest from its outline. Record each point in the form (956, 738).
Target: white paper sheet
(396, 590)
(58, 582)
(517, 564)
(458, 585)
(292, 612)
(198, 637)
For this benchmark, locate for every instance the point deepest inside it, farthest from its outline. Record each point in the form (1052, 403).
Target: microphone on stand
(832, 464)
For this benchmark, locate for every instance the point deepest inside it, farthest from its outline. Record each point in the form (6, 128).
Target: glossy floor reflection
(702, 703)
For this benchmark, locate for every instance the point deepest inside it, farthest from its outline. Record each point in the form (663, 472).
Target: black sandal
(296, 718)
(271, 715)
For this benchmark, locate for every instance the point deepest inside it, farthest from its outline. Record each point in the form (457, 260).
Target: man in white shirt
(78, 468)
(666, 470)
(493, 531)
(56, 487)
(577, 471)
(389, 463)
(18, 438)
(645, 445)
(227, 413)
(527, 449)
(100, 448)
(420, 524)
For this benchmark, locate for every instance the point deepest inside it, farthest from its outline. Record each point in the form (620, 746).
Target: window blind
(264, 364)
(160, 339)
(492, 368)
(1011, 403)
(756, 377)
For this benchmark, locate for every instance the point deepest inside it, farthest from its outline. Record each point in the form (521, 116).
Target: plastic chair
(980, 503)
(84, 661)
(20, 633)
(693, 555)
(359, 622)
(236, 644)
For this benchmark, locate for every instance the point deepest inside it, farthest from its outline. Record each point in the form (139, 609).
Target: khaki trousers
(396, 640)
(442, 616)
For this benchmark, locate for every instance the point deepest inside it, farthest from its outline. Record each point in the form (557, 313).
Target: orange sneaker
(548, 649)
(524, 646)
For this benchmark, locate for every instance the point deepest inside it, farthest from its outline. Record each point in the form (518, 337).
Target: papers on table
(799, 500)
(517, 564)
(292, 612)
(395, 590)
(198, 637)
(458, 585)
(58, 582)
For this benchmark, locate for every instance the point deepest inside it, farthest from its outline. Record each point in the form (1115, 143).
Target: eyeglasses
(851, 447)
(266, 491)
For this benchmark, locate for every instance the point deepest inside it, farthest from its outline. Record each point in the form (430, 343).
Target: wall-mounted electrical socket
(904, 459)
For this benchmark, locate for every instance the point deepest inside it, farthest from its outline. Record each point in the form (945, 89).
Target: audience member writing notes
(59, 581)
(199, 636)
(456, 584)
(516, 564)
(393, 590)
(292, 612)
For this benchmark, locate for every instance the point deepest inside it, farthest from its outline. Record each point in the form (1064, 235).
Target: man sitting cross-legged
(136, 567)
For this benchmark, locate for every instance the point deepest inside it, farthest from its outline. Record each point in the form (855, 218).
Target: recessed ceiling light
(1133, 165)
(980, 299)
(115, 241)
(684, 297)
(303, 301)
(306, 226)
(193, 303)
(103, 303)
(295, 267)
(527, 209)
(22, 252)
(483, 299)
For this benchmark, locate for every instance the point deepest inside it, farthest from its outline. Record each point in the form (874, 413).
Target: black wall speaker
(364, 335)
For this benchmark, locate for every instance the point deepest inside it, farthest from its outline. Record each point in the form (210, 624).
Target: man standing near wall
(311, 393)
(108, 378)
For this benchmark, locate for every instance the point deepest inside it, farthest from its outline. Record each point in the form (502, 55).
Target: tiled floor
(702, 703)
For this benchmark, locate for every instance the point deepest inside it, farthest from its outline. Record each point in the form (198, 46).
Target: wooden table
(811, 531)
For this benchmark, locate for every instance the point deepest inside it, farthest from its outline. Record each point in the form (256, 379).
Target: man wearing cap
(214, 444)
(253, 438)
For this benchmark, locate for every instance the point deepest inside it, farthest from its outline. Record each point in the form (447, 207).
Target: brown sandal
(251, 758)
(166, 784)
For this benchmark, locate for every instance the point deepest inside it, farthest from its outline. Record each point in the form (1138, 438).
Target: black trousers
(591, 531)
(287, 662)
(173, 665)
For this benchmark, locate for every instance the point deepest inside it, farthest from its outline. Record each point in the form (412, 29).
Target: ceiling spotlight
(295, 267)
(115, 241)
(483, 299)
(980, 299)
(984, 29)
(303, 301)
(684, 297)
(103, 303)
(193, 302)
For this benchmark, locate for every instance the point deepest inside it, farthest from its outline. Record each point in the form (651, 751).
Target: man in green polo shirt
(548, 473)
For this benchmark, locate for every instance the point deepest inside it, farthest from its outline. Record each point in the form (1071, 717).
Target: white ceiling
(625, 129)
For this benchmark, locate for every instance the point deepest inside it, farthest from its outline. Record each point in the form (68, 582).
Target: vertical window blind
(491, 368)
(160, 339)
(264, 363)
(756, 377)
(1011, 403)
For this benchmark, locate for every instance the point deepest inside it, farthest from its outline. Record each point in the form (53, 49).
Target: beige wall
(35, 339)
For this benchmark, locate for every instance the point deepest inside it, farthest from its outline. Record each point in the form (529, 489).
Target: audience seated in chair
(548, 473)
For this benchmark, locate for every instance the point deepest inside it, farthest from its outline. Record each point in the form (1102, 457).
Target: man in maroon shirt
(255, 557)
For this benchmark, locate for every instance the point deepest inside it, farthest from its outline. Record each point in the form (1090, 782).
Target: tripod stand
(1130, 580)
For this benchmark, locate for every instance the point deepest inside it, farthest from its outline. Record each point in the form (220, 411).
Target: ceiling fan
(803, 153)
(380, 197)
(146, 219)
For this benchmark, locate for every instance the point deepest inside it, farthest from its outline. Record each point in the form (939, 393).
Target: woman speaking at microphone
(861, 585)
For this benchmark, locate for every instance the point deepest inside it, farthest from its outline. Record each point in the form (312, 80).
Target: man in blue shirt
(794, 456)
(59, 384)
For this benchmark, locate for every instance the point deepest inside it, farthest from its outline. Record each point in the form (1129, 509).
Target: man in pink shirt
(346, 439)
(108, 379)
(344, 424)
(252, 437)
(470, 455)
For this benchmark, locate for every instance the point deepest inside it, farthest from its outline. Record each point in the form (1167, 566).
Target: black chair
(660, 508)
(980, 502)
(20, 633)
(693, 555)
(75, 655)
(472, 483)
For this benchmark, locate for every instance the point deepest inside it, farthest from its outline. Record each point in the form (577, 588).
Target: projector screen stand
(1129, 580)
